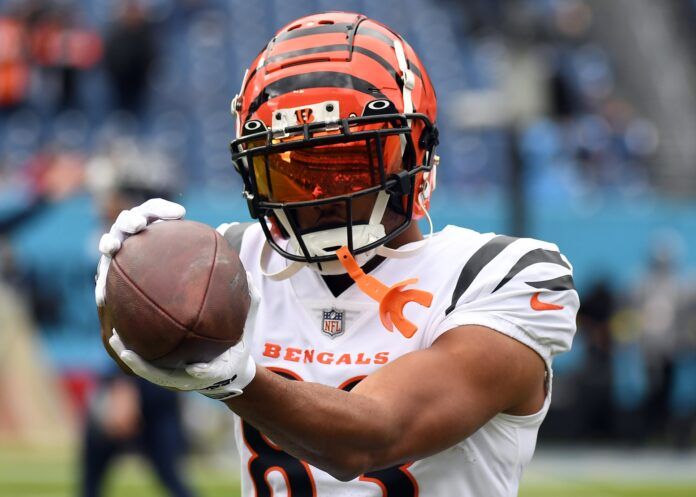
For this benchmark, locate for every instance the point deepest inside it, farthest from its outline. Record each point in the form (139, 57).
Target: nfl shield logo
(333, 323)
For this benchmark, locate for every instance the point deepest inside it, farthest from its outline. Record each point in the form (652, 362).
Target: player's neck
(410, 234)
(341, 282)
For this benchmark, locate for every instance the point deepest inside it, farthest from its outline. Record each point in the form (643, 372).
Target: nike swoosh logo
(538, 305)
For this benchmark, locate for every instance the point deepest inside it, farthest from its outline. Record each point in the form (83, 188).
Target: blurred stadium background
(568, 120)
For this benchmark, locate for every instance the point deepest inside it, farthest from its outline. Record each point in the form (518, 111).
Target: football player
(339, 390)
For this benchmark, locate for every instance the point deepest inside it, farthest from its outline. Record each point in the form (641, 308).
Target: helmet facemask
(318, 186)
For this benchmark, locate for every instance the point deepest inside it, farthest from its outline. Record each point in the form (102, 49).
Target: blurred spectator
(129, 414)
(14, 65)
(659, 298)
(62, 48)
(43, 45)
(51, 175)
(682, 399)
(48, 179)
(628, 375)
(130, 53)
(595, 382)
(128, 172)
(485, 15)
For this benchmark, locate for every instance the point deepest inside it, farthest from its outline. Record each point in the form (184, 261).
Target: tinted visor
(319, 172)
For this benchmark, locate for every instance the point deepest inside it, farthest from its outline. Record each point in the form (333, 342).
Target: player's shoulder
(487, 262)
(522, 287)
(463, 244)
(247, 239)
(242, 236)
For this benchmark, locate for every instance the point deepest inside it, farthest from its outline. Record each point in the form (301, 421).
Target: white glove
(129, 223)
(224, 377)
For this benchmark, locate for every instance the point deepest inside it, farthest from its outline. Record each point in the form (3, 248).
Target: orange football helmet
(335, 137)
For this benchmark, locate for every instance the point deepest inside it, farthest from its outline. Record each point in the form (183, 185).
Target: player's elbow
(376, 444)
(344, 475)
(349, 467)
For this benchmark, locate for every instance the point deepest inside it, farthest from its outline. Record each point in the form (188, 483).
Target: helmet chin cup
(326, 242)
(335, 267)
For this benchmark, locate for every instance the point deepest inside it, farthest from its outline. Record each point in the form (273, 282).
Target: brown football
(177, 293)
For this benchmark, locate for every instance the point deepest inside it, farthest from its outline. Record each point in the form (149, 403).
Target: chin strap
(283, 274)
(409, 252)
(392, 300)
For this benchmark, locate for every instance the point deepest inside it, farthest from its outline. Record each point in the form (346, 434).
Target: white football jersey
(522, 288)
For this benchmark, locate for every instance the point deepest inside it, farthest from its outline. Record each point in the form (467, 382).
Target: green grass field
(28, 473)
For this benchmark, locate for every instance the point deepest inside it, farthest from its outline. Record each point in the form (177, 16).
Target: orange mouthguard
(392, 300)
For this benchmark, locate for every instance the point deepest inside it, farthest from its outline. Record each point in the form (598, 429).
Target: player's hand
(129, 223)
(224, 377)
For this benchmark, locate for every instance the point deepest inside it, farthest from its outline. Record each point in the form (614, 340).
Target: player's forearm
(340, 433)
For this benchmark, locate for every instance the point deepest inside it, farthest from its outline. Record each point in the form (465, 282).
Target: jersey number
(265, 457)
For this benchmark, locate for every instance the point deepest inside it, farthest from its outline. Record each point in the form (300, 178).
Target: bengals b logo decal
(304, 116)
